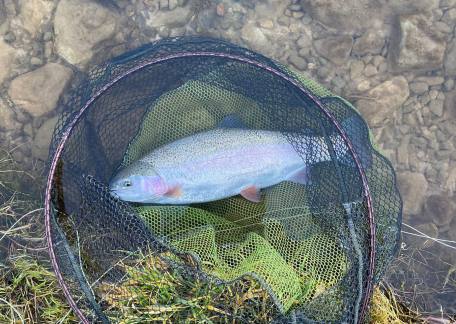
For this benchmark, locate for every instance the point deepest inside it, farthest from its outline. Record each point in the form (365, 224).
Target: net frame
(244, 57)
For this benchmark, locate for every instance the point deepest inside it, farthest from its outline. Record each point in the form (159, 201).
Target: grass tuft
(30, 293)
(152, 291)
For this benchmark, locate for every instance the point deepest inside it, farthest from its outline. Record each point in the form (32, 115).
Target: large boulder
(38, 91)
(385, 99)
(33, 14)
(418, 45)
(346, 15)
(79, 27)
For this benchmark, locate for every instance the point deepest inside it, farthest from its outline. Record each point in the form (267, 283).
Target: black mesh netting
(306, 252)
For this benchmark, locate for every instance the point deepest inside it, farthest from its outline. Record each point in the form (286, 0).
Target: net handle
(72, 124)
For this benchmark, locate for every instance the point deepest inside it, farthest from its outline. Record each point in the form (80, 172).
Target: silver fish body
(213, 165)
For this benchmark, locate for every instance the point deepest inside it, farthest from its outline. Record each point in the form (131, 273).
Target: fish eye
(127, 183)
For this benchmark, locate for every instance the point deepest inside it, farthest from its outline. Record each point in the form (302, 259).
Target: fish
(217, 164)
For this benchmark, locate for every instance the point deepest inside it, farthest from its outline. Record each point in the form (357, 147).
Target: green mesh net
(234, 237)
(312, 247)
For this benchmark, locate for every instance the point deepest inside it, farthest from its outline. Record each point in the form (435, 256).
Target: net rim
(67, 132)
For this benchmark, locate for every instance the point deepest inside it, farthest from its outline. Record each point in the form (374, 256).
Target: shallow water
(394, 60)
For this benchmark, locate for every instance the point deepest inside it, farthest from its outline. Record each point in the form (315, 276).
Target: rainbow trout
(213, 165)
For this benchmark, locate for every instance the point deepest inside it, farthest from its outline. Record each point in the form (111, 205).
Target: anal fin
(252, 194)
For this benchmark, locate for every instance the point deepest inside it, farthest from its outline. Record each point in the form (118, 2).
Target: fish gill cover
(306, 252)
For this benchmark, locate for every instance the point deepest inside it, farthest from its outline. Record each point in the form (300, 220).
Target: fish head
(138, 185)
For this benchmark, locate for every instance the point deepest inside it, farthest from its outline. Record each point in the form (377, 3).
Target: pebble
(9, 37)
(173, 4)
(436, 107)
(304, 52)
(356, 69)
(418, 87)
(47, 36)
(298, 14)
(35, 61)
(220, 9)
(295, 7)
(448, 85)
(433, 94)
(370, 70)
(283, 20)
(297, 61)
(442, 27)
(363, 86)
(267, 24)
(431, 81)
(163, 4)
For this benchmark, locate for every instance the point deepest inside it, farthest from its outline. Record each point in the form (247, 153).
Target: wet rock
(220, 9)
(440, 208)
(163, 4)
(387, 98)
(35, 61)
(255, 37)
(33, 14)
(430, 229)
(371, 42)
(42, 140)
(413, 187)
(450, 104)
(449, 17)
(403, 151)
(436, 107)
(370, 70)
(348, 15)
(7, 57)
(297, 14)
(418, 46)
(2, 12)
(7, 117)
(335, 48)
(179, 17)
(431, 81)
(37, 92)
(295, 7)
(297, 61)
(356, 69)
(305, 40)
(9, 37)
(448, 85)
(79, 27)
(418, 87)
(450, 59)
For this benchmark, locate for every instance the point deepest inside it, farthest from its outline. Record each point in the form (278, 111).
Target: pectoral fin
(302, 176)
(174, 192)
(251, 193)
